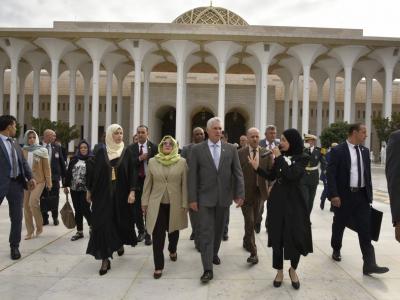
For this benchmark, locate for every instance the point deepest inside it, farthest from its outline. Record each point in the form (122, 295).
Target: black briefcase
(375, 224)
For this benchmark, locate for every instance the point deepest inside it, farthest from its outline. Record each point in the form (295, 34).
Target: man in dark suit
(311, 177)
(215, 178)
(393, 178)
(15, 176)
(50, 199)
(350, 192)
(256, 190)
(197, 137)
(142, 151)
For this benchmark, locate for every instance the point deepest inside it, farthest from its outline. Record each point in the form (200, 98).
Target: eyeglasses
(168, 144)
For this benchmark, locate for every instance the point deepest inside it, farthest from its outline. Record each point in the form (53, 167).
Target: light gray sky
(376, 18)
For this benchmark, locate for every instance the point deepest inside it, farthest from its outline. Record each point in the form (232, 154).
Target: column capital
(348, 55)
(223, 50)
(292, 65)
(111, 60)
(265, 52)
(36, 59)
(74, 60)
(319, 77)
(122, 70)
(137, 48)
(96, 48)
(55, 48)
(388, 57)
(307, 53)
(15, 48)
(180, 49)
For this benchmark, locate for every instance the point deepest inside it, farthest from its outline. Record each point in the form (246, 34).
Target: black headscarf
(78, 153)
(296, 144)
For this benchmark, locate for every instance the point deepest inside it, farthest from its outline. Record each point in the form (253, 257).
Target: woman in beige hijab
(111, 183)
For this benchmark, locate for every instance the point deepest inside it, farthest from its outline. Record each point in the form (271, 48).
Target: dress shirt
(211, 147)
(8, 147)
(354, 168)
(49, 149)
(145, 150)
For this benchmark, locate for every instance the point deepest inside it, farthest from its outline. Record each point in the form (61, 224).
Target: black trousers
(15, 198)
(358, 210)
(311, 190)
(277, 259)
(137, 207)
(81, 207)
(159, 237)
(50, 201)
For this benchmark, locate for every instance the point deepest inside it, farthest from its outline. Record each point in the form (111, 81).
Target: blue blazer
(338, 172)
(5, 169)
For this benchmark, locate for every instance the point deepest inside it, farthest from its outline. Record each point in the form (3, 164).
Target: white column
(295, 102)
(36, 93)
(319, 110)
(286, 106)
(387, 109)
(347, 56)
(221, 90)
(355, 78)
(13, 87)
(119, 101)
(54, 90)
(21, 110)
(109, 98)
(306, 99)
(1, 90)
(146, 97)
(86, 104)
(72, 101)
(131, 110)
(136, 98)
(332, 98)
(263, 95)
(120, 72)
(368, 110)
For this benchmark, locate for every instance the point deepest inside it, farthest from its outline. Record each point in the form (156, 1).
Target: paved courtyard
(53, 267)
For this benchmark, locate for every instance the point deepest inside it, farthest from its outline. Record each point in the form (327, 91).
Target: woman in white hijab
(111, 184)
(38, 159)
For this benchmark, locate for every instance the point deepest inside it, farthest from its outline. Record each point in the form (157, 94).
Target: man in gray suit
(15, 176)
(393, 179)
(215, 178)
(197, 137)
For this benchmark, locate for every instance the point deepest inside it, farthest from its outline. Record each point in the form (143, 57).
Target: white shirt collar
(210, 143)
(4, 138)
(144, 144)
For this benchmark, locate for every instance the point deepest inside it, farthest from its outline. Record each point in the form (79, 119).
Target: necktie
(13, 159)
(216, 155)
(254, 153)
(358, 166)
(141, 166)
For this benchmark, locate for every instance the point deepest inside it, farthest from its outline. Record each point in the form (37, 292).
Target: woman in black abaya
(111, 182)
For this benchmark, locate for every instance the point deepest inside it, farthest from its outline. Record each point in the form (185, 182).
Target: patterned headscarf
(168, 159)
(36, 148)
(78, 152)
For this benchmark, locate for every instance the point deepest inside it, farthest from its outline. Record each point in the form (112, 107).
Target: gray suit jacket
(5, 169)
(186, 152)
(393, 174)
(210, 186)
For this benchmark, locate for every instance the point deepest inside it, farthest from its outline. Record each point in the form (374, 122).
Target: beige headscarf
(114, 150)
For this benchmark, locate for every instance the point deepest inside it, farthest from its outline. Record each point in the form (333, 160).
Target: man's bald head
(49, 136)
(198, 135)
(253, 137)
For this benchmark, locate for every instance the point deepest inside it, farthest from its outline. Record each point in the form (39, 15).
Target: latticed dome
(210, 15)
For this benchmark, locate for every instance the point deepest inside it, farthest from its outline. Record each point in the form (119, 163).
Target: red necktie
(141, 166)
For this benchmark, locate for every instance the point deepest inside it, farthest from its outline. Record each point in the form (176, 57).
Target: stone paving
(53, 267)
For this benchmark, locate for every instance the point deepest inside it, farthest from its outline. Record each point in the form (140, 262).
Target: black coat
(68, 174)
(288, 217)
(338, 172)
(57, 163)
(393, 174)
(152, 150)
(110, 205)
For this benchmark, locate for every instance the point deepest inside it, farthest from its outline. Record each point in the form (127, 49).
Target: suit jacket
(263, 143)
(57, 163)
(5, 169)
(157, 183)
(211, 186)
(338, 172)
(40, 169)
(393, 174)
(152, 150)
(316, 157)
(251, 177)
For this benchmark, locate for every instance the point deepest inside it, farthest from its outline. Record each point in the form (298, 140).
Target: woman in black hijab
(289, 227)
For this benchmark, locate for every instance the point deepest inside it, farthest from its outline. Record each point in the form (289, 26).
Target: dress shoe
(252, 259)
(192, 236)
(45, 222)
(295, 284)
(140, 237)
(15, 254)
(216, 260)
(147, 240)
(257, 228)
(105, 266)
(56, 222)
(121, 251)
(157, 275)
(173, 256)
(246, 247)
(336, 255)
(374, 269)
(225, 237)
(207, 276)
(276, 282)
(29, 236)
(77, 236)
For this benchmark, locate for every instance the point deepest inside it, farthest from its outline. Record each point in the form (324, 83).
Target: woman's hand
(144, 209)
(88, 197)
(66, 191)
(131, 197)
(253, 162)
(276, 152)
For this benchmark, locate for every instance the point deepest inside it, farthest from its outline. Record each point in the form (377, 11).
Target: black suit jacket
(338, 172)
(57, 163)
(152, 150)
(5, 169)
(393, 174)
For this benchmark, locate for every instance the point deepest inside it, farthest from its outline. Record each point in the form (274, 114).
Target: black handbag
(375, 224)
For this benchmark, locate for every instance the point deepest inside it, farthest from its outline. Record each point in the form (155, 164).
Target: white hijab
(114, 150)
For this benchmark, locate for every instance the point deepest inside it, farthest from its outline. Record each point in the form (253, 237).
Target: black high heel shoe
(276, 282)
(295, 285)
(174, 256)
(121, 251)
(105, 266)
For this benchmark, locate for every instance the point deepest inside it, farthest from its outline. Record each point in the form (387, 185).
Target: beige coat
(40, 169)
(154, 188)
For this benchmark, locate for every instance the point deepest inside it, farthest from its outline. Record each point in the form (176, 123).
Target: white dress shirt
(8, 147)
(144, 149)
(354, 168)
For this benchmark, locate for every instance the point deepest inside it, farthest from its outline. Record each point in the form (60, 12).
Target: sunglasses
(168, 144)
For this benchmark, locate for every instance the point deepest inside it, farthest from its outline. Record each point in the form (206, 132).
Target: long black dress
(112, 215)
(289, 224)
